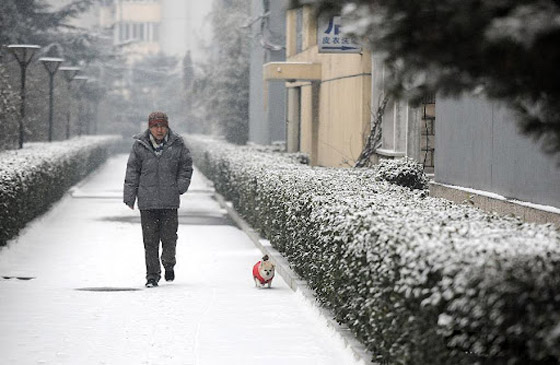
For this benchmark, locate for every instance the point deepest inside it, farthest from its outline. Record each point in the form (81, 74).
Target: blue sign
(332, 40)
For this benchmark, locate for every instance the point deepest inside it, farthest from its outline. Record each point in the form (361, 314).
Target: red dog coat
(257, 274)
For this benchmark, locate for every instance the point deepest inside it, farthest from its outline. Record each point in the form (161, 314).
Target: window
(148, 32)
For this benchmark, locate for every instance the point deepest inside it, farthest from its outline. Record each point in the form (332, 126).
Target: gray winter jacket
(157, 181)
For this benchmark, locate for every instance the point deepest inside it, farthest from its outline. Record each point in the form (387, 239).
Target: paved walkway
(72, 290)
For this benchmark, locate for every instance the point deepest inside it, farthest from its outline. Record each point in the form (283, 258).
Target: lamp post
(51, 65)
(82, 80)
(69, 73)
(23, 54)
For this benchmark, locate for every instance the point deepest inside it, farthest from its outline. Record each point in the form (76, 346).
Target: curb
(297, 284)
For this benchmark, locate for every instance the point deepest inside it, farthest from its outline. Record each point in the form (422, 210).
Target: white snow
(211, 314)
(14, 163)
(488, 194)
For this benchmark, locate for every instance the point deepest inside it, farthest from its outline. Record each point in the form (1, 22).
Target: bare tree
(374, 139)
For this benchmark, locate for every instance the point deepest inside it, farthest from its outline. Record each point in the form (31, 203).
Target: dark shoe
(151, 283)
(169, 275)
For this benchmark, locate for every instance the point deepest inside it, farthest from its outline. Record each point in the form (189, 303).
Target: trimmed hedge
(419, 280)
(33, 178)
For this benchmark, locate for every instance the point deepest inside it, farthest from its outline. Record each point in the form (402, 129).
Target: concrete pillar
(315, 90)
(293, 120)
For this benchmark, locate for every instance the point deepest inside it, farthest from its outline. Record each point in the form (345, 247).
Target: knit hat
(158, 117)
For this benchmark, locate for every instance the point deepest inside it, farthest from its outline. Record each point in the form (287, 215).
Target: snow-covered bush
(404, 172)
(419, 280)
(33, 178)
(280, 147)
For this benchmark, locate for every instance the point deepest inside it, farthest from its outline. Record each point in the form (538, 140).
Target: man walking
(158, 171)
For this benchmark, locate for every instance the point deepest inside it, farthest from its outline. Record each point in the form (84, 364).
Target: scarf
(158, 147)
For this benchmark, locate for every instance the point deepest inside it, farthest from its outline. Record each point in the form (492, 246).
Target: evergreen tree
(156, 85)
(35, 22)
(223, 87)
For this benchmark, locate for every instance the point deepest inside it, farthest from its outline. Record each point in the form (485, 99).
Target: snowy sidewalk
(86, 303)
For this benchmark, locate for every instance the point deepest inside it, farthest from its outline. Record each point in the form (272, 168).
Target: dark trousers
(159, 225)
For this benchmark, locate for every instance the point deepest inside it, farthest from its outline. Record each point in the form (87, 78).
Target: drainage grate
(107, 289)
(6, 277)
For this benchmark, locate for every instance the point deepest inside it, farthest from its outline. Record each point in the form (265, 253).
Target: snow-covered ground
(86, 302)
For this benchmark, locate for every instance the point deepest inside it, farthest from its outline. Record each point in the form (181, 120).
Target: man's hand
(131, 206)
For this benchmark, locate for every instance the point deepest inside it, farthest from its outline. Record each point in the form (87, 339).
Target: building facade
(136, 26)
(328, 94)
(334, 89)
(470, 145)
(142, 27)
(267, 44)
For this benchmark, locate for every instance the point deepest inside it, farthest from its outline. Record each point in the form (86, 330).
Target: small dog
(263, 272)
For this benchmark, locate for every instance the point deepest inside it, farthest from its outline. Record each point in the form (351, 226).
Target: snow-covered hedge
(33, 178)
(404, 172)
(419, 280)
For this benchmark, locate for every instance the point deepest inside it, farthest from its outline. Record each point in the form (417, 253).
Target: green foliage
(403, 171)
(21, 21)
(418, 280)
(507, 50)
(33, 178)
(33, 21)
(222, 90)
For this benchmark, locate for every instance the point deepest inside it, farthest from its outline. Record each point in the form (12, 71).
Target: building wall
(136, 26)
(343, 125)
(267, 123)
(478, 147)
(149, 26)
(129, 11)
(258, 131)
(335, 111)
(308, 135)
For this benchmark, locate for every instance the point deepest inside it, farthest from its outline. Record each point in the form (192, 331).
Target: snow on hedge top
(366, 198)
(14, 163)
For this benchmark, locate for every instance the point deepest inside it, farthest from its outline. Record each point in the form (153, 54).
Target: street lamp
(69, 73)
(23, 54)
(51, 65)
(81, 80)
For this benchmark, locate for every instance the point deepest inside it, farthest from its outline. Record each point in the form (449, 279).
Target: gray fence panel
(478, 146)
